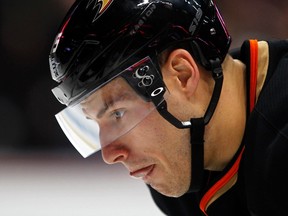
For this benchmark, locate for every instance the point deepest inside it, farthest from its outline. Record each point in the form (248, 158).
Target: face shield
(113, 109)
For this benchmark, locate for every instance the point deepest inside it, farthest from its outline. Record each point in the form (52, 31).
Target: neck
(225, 131)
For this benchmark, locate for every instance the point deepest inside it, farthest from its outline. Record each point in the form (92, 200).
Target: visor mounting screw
(142, 71)
(212, 31)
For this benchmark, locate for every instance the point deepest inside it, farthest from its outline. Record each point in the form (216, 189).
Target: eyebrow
(100, 113)
(111, 102)
(103, 110)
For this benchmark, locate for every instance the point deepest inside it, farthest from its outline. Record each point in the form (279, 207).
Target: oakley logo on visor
(99, 6)
(157, 91)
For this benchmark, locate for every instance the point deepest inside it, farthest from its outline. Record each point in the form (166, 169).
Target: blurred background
(40, 172)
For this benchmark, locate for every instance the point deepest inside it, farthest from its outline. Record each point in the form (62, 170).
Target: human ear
(182, 69)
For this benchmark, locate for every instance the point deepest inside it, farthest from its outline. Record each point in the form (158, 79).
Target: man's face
(151, 149)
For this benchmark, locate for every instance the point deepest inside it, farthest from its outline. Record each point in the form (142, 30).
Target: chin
(169, 192)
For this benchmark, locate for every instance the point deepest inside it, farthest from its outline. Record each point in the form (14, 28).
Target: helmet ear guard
(211, 41)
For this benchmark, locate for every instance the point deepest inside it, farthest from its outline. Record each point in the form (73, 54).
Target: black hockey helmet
(100, 40)
(98, 37)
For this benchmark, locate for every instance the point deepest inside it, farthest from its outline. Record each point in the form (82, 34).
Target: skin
(159, 153)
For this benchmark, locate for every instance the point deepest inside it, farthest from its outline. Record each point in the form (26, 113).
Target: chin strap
(197, 130)
(197, 154)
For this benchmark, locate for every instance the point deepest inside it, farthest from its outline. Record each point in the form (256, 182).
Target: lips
(141, 173)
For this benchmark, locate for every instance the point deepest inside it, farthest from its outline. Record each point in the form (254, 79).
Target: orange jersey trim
(219, 184)
(253, 71)
(204, 203)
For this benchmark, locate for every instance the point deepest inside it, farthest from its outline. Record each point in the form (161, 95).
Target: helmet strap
(217, 73)
(197, 153)
(197, 130)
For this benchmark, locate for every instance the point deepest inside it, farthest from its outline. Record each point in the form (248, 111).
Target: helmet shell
(98, 39)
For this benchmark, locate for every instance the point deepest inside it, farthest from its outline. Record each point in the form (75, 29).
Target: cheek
(169, 148)
(149, 135)
(162, 135)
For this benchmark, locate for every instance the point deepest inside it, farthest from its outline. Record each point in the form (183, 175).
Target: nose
(114, 153)
(113, 148)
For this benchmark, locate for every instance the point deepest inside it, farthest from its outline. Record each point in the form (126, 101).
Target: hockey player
(152, 85)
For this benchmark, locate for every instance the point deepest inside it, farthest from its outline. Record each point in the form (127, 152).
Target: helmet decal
(196, 21)
(145, 80)
(99, 6)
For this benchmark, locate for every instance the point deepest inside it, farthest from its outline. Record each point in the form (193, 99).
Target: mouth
(142, 173)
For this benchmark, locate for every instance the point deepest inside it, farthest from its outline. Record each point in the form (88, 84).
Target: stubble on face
(155, 141)
(169, 148)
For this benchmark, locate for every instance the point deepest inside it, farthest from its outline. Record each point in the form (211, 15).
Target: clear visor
(106, 115)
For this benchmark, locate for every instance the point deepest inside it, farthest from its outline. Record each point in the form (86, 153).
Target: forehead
(113, 91)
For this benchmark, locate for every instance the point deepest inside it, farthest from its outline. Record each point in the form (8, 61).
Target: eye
(118, 114)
